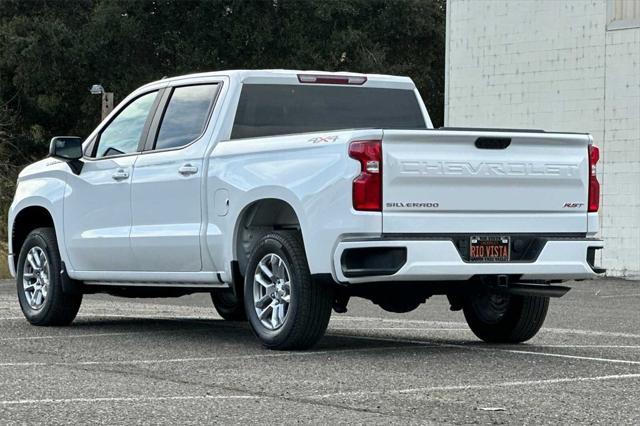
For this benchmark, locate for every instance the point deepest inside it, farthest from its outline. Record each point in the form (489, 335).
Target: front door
(97, 205)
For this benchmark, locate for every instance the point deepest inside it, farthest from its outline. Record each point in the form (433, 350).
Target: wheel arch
(259, 217)
(26, 220)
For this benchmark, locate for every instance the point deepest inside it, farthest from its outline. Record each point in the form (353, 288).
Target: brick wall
(553, 65)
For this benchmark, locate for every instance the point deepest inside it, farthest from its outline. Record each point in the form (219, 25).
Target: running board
(158, 284)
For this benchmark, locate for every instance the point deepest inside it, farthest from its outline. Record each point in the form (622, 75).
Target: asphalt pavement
(175, 361)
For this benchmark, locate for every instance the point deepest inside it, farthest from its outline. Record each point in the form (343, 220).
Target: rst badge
(572, 205)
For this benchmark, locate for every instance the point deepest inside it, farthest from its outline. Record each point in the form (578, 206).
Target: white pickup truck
(285, 193)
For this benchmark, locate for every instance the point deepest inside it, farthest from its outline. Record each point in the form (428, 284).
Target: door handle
(120, 175)
(187, 169)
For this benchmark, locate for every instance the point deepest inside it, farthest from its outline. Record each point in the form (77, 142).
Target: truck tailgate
(445, 181)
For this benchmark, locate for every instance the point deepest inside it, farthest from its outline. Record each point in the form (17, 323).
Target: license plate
(489, 248)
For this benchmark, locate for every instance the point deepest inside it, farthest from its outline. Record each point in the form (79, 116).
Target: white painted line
(479, 387)
(614, 296)
(125, 399)
(91, 335)
(493, 349)
(454, 324)
(398, 320)
(590, 332)
(68, 336)
(543, 330)
(134, 315)
(213, 358)
(591, 346)
(584, 358)
(400, 328)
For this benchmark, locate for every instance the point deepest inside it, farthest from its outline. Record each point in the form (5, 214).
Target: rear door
(484, 182)
(167, 182)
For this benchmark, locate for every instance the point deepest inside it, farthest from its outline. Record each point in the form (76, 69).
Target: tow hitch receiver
(537, 288)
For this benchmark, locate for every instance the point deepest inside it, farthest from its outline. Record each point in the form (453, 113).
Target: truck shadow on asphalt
(205, 333)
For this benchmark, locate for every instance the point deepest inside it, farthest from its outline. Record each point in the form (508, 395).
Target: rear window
(276, 109)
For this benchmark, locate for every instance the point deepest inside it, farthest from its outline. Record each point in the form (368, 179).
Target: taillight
(367, 186)
(594, 185)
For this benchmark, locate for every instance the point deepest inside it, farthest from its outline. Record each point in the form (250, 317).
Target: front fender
(45, 190)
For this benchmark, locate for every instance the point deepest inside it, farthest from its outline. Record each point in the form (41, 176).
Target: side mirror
(69, 149)
(66, 148)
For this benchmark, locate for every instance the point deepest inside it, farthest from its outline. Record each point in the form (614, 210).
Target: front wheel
(285, 307)
(39, 282)
(501, 318)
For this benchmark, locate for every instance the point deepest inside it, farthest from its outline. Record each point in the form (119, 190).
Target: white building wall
(553, 65)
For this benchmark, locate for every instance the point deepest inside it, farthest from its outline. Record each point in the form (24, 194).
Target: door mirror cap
(68, 148)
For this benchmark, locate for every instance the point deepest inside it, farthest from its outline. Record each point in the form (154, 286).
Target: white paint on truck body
(127, 230)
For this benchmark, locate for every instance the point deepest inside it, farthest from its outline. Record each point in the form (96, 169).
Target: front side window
(123, 134)
(186, 115)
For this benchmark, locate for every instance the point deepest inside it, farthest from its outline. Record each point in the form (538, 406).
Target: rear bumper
(439, 260)
(12, 265)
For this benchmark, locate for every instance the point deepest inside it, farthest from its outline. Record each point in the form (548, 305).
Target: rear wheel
(39, 283)
(285, 308)
(229, 305)
(502, 318)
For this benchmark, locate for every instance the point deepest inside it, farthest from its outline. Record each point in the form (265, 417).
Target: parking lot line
(591, 346)
(126, 399)
(213, 358)
(79, 336)
(398, 320)
(480, 387)
(593, 333)
(614, 296)
(401, 328)
(493, 348)
(580, 357)
(453, 324)
(132, 315)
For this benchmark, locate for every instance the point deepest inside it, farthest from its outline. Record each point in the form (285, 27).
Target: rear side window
(276, 109)
(185, 116)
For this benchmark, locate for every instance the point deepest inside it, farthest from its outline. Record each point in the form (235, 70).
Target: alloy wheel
(36, 277)
(272, 291)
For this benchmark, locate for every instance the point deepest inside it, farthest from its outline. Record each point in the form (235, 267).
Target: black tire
(58, 308)
(514, 319)
(228, 305)
(309, 308)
